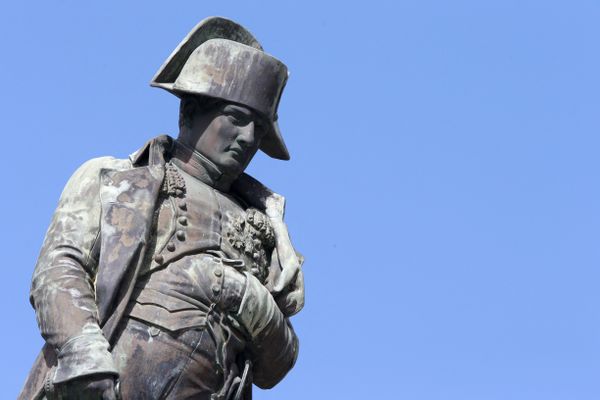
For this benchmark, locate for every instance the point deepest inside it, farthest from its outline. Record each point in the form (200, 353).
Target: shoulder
(97, 164)
(86, 178)
(92, 168)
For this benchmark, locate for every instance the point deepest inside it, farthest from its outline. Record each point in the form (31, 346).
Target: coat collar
(200, 167)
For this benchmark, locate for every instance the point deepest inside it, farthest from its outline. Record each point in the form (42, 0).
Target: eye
(237, 118)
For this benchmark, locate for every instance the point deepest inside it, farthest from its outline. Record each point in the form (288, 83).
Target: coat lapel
(127, 198)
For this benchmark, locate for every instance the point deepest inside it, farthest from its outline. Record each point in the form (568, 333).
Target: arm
(62, 289)
(275, 344)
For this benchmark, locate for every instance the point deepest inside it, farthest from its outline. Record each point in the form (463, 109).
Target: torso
(197, 232)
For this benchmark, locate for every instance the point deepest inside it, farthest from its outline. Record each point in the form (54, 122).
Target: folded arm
(274, 345)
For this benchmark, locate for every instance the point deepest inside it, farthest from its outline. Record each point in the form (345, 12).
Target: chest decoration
(252, 237)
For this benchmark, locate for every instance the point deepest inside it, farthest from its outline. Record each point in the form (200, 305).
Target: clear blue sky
(444, 182)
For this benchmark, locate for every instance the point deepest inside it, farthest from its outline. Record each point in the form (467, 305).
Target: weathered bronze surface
(170, 274)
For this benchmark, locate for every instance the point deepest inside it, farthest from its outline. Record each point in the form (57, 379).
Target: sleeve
(62, 288)
(274, 345)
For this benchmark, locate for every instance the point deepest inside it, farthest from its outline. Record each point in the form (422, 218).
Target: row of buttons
(180, 234)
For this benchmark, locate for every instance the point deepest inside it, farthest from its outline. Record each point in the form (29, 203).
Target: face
(228, 135)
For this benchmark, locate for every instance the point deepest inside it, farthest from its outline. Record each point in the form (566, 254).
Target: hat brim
(273, 145)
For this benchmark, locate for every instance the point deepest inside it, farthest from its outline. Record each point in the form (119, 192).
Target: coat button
(182, 220)
(159, 258)
(218, 272)
(180, 235)
(182, 204)
(171, 247)
(216, 289)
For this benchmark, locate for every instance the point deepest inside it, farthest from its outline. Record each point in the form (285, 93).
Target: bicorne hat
(221, 59)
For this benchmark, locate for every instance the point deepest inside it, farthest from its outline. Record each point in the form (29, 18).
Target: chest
(195, 218)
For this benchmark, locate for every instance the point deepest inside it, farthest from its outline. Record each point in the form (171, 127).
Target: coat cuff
(234, 285)
(82, 355)
(258, 307)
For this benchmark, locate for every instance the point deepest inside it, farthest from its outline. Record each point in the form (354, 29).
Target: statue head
(227, 134)
(230, 90)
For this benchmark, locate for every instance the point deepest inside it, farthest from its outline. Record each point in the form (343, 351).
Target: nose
(246, 136)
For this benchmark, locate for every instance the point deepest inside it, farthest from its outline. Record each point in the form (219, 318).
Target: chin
(231, 166)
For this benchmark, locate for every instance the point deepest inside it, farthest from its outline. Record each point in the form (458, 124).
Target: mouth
(237, 153)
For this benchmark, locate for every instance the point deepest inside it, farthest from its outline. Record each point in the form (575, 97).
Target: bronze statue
(170, 274)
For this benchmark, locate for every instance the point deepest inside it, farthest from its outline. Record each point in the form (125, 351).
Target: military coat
(89, 263)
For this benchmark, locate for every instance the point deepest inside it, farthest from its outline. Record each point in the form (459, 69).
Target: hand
(275, 206)
(94, 387)
(291, 300)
